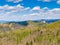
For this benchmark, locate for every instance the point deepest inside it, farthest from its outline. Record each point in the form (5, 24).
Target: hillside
(35, 33)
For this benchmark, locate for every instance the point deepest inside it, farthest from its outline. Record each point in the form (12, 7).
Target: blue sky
(32, 3)
(20, 10)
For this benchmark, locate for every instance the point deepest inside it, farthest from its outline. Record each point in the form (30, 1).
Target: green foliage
(39, 38)
(58, 40)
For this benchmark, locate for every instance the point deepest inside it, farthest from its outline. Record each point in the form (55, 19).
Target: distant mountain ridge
(26, 22)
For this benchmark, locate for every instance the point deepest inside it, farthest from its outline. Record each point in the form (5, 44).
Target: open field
(35, 33)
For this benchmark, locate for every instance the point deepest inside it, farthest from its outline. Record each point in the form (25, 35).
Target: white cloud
(58, 2)
(36, 8)
(15, 1)
(56, 11)
(21, 13)
(46, 0)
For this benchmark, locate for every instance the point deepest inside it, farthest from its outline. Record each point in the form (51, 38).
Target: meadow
(35, 33)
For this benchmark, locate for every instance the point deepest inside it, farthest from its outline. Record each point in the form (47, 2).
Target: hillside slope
(33, 34)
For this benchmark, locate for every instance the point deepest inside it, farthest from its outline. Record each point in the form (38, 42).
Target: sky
(21, 10)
